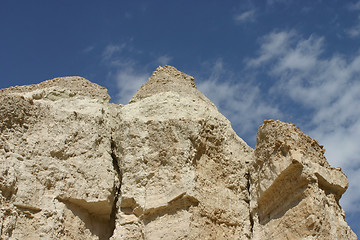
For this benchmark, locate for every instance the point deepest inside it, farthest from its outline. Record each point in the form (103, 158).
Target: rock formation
(166, 166)
(294, 191)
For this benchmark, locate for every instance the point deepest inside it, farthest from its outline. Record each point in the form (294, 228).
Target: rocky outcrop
(166, 166)
(57, 179)
(294, 191)
(183, 167)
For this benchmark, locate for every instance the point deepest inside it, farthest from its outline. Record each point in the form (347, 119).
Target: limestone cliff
(166, 166)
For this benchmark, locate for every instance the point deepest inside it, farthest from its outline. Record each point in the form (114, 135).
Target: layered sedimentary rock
(166, 166)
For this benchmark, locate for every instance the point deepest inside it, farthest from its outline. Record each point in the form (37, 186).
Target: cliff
(166, 166)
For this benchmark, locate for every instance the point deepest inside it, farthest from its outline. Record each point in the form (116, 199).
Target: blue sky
(297, 61)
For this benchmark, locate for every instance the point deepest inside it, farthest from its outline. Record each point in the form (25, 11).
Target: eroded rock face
(182, 165)
(166, 166)
(57, 178)
(294, 191)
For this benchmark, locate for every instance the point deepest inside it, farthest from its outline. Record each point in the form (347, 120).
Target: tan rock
(166, 166)
(294, 191)
(57, 176)
(183, 172)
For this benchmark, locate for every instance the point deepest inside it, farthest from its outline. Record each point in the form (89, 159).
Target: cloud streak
(129, 80)
(163, 60)
(111, 49)
(272, 45)
(247, 16)
(354, 31)
(127, 71)
(238, 99)
(354, 6)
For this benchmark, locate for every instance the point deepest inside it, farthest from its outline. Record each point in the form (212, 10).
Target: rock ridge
(60, 87)
(167, 165)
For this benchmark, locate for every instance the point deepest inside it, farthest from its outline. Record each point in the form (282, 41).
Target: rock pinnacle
(166, 79)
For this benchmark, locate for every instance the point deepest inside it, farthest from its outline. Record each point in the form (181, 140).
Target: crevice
(117, 185)
(251, 224)
(115, 159)
(251, 217)
(100, 216)
(247, 176)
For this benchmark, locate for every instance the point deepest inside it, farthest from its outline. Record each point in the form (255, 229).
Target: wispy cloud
(129, 78)
(247, 16)
(301, 56)
(111, 49)
(88, 49)
(238, 99)
(127, 70)
(354, 6)
(272, 45)
(328, 87)
(163, 60)
(354, 31)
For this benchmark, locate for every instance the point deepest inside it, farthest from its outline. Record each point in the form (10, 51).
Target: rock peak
(166, 79)
(173, 75)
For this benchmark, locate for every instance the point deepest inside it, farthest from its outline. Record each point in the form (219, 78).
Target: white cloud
(354, 31)
(272, 45)
(328, 87)
(126, 70)
(239, 100)
(247, 16)
(350, 201)
(111, 49)
(163, 60)
(129, 79)
(302, 56)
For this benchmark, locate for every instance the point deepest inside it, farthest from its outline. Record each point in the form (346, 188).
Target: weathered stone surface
(183, 166)
(57, 178)
(294, 191)
(166, 166)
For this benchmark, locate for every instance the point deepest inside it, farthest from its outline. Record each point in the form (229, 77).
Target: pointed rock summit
(166, 166)
(166, 79)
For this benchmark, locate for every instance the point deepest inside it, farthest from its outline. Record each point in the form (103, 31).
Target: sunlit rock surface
(166, 166)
